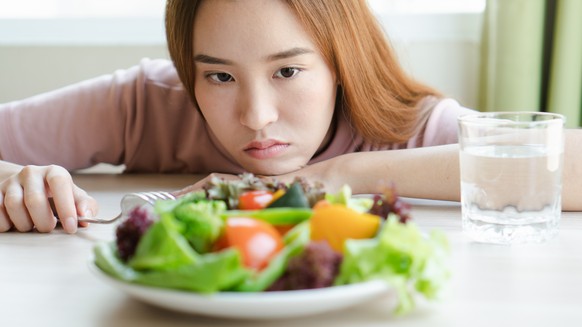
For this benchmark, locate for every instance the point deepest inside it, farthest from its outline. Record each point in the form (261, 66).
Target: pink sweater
(142, 117)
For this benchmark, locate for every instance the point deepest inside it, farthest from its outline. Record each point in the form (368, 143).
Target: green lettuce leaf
(107, 260)
(213, 272)
(402, 256)
(163, 247)
(273, 216)
(344, 197)
(200, 222)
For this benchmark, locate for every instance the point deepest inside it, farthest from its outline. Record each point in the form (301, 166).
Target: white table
(45, 279)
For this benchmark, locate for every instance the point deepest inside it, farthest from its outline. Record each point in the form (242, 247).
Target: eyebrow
(206, 59)
(289, 53)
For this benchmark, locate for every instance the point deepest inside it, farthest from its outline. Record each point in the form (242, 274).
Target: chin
(271, 169)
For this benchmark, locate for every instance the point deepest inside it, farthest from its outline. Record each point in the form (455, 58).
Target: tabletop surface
(45, 278)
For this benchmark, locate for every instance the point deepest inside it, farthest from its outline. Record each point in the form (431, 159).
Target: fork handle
(98, 220)
(85, 219)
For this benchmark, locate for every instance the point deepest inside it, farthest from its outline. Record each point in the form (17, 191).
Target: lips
(265, 149)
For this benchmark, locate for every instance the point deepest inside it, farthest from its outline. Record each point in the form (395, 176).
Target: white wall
(28, 70)
(40, 55)
(442, 50)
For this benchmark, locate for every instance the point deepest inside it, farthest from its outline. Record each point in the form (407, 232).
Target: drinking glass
(511, 176)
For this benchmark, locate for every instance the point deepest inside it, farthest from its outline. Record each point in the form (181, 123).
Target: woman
(277, 88)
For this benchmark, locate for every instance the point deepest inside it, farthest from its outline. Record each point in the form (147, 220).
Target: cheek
(315, 101)
(203, 96)
(213, 104)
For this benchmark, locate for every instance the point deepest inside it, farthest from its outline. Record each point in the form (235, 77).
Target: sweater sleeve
(77, 126)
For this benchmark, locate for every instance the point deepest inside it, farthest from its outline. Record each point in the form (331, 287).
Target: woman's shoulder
(160, 72)
(436, 125)
(439, 105)
(439, 120)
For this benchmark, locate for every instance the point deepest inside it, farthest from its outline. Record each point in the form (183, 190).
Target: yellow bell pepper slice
(336, 223)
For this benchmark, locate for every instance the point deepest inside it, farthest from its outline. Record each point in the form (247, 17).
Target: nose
(257, 106)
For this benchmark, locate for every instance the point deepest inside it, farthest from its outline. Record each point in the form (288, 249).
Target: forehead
(251, 27)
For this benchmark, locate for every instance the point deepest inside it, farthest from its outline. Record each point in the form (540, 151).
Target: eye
(287, 72)
(221, 77)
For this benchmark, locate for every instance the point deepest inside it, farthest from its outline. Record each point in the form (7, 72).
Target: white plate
(418, 201)
(428, 202)
(264, 305)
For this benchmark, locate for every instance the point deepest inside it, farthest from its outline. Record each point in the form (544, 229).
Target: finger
(37, 204)
(199, 185)
(60, 184)
(5, 223)
(15, 209)
(86, 205)
(189, 189)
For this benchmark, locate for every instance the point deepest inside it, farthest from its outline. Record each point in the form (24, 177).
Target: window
(141, 21)
(427, 6)
(81, 8)
(155, 8)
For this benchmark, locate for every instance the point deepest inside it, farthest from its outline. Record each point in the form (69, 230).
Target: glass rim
(505, 118)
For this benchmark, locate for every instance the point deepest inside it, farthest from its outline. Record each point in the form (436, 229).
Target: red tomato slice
(254, 200)
(257, 240)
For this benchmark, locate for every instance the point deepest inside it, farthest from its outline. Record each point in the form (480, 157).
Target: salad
(254, 236)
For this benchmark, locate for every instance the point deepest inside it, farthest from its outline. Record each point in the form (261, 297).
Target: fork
(130, 201)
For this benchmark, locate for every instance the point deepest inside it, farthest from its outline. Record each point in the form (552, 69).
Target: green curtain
(531, 57)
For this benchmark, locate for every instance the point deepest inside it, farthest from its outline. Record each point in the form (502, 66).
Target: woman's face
(261, 83)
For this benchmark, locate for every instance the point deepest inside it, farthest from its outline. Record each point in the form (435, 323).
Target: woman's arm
(572, 174)
(47, 132)
(429, 172)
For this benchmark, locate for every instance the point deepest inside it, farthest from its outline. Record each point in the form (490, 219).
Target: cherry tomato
(257, 240)
(254, 200)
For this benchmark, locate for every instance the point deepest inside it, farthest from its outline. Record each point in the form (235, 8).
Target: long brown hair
(379, 98)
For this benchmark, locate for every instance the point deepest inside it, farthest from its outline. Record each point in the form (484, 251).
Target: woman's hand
(26, 195)
(200, 184)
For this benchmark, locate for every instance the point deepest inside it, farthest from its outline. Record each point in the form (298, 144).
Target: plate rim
(360, 293)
